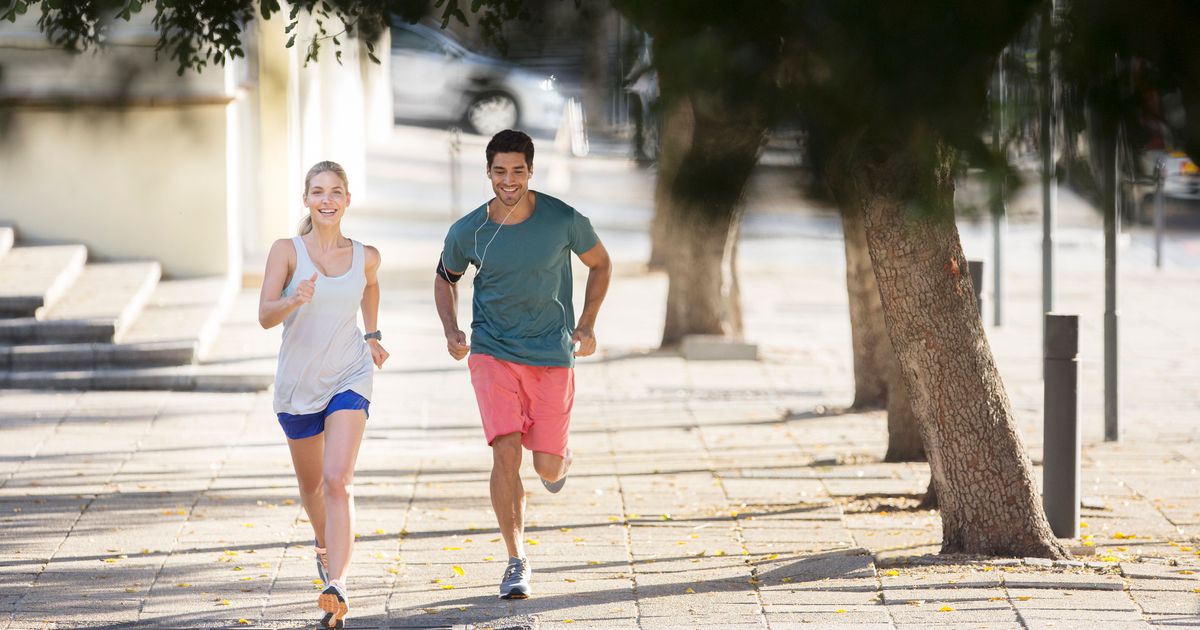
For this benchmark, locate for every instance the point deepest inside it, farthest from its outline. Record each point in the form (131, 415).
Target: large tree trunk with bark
(703, 225)
(985, 487)
(878, 380)
(674, 142)
(867, 332)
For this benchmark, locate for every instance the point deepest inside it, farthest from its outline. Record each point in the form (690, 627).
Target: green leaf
(336, 42)
(372, 57)
(475, 4)
(338, 55)
(370, 46)
(290, 27)
(290, 42)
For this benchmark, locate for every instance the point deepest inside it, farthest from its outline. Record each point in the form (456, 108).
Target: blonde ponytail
(305, 226)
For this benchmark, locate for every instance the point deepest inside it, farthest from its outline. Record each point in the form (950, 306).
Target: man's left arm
(599, 273)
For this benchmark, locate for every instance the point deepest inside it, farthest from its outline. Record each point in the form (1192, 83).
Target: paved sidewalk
(704, 494)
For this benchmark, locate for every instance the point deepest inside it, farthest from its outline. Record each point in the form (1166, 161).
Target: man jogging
(523, 330)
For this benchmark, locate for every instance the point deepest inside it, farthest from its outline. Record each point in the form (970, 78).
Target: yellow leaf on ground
(719, 553)
(458, 570)
(380, 531)
(468, 540)
(488, 558)
(131, 590)
(317, 582)
(786, 580)
(568, 621)
(614, 518)
(224, 602)
(1196, 590)
(771, 557)
(1109, 559)
(593, 562)
(1088, 543)
(1185, 548)
(447, 586)
(840, 610)
(995, 599)
(564, 529)
(451, 548)
(1187, 573)
(248, 578)
(1083, 524)
(690, 590)
(495, 540)
(1024, 598)
(1122, 548)
(393, 571)
(572, 580)
(891, 572)
(247, 524)
(945, 609)
(753, 581)
(289, 502)
(530, 541)
(243, 622)
(183, 585)
(578, 539)
(230, 552)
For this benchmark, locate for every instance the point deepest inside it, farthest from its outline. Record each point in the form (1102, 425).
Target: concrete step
(175, 378)
(114, 292)
(177, 324)
(188, 311)
(35, 278)
(102, 302)
(83, 356)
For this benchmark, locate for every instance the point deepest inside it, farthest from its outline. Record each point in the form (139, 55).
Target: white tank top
(323, 352)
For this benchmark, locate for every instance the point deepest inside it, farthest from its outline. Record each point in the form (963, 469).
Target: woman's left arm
(370, 305)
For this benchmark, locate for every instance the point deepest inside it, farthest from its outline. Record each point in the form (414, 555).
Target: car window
(403, 39)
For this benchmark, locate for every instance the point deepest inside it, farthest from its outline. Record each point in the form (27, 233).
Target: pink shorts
(531, 399)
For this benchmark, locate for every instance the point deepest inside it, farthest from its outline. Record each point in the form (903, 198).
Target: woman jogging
(315, 284)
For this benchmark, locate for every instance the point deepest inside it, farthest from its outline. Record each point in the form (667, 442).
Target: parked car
(437, 79)
(1181, 176)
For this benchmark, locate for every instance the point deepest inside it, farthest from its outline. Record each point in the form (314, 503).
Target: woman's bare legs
(308, 456)
(343, 436)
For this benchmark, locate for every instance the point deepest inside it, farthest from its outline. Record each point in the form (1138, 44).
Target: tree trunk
(867, 332)
(675, 141)
(904, 430)
(989, 501)
(706, 211)
(878, 379)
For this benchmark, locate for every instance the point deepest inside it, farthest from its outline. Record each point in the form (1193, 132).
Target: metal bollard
(1160, 175)
(1061, 438)
(976, 269)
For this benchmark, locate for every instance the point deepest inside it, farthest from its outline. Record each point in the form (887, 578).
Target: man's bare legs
(508, 493)
(551, 467)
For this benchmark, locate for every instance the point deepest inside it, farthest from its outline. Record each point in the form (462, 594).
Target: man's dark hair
(509, 141)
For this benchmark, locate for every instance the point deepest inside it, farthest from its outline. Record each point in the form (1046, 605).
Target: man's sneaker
(555, 486)
(336, 603)
(322, 563)
(515, 584)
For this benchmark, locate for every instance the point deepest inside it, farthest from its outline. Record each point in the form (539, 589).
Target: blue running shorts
(306, 425)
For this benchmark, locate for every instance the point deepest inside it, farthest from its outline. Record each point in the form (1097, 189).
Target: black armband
(446, 274)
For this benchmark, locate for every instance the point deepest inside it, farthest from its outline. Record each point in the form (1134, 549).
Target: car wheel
(492, 113)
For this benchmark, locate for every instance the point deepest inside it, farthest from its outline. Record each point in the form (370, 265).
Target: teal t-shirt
(522, 309)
